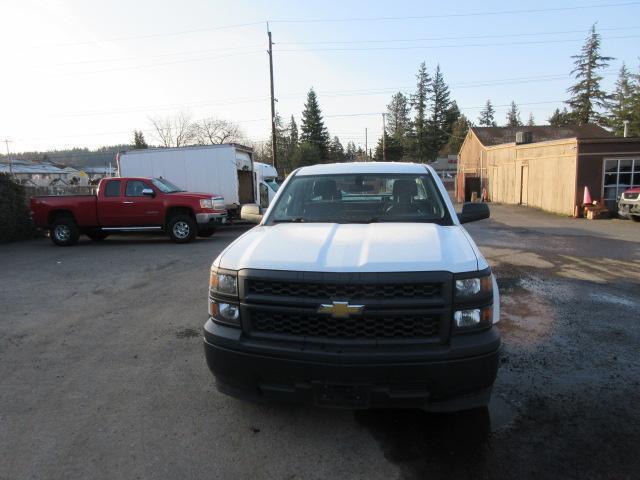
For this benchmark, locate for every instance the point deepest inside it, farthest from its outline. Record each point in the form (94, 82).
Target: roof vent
(524, 137)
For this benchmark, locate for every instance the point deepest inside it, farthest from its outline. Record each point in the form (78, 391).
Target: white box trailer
(225, 170)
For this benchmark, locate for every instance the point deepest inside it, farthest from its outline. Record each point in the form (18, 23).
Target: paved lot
(102, 373)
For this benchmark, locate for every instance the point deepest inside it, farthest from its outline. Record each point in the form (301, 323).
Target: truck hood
(195, 195)
(331, 247)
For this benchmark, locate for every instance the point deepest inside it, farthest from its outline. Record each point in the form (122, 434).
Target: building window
(619, 175)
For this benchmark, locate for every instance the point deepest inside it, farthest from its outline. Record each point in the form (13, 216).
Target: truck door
(140, 210)
(109, 204)
(264, 194)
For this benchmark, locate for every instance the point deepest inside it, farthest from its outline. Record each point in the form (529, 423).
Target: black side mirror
(472, 212)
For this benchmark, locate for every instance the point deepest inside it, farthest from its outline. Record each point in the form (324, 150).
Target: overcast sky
(88, 72)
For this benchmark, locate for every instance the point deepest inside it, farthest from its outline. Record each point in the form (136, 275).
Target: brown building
(547, 167)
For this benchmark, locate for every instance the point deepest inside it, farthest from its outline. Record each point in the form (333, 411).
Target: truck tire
(96, 235)
(182, 228)
(64, 232)
(635, 218)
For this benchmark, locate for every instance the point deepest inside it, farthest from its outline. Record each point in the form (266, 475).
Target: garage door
(619, 174)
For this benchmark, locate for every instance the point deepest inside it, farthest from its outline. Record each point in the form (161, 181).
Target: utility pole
(6, 142)
(274, 147)
(366, 149)
(384, 142)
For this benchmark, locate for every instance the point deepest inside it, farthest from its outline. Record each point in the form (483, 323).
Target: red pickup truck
(129, 205)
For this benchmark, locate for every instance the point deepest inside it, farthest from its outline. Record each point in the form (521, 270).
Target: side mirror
(472, 212)
(251, 213)
(147, 192)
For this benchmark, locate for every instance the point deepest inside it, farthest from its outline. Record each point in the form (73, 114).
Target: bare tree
(176, 131)
(212, 131)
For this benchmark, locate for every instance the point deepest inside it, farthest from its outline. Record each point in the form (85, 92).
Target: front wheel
(64, 232)
(182, 228)
(635, 218)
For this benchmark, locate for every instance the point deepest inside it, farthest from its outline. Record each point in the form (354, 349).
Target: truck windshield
(165, 186)
(272, 182)
(360, 198)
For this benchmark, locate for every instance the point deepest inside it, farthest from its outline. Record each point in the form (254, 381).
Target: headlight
(474, 317)
(206, 203)
(224, 283)
(468, 288)
(226, 313)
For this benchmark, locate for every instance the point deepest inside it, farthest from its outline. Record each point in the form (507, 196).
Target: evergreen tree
(351, 151)
(513, 116)
(398, 121)
(307, 153)
(634, 124)
(313, 129)
(560, 118)
(587, 98)
(459, 131)
(138, 140)
(487, 116)
(438, 135)
(532, 121)
(419, 101)
(336, 150)
(394, 150)
(293, 131)
(621, 107)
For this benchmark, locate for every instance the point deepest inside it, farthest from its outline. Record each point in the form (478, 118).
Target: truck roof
(362, 167)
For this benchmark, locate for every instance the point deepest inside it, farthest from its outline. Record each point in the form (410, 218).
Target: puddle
(436, 445)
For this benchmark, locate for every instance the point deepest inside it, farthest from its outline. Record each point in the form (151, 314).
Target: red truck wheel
(182, 228)
(64, 231)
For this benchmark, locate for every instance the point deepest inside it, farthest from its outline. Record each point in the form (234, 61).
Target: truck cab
(266, 181)
(358, 288)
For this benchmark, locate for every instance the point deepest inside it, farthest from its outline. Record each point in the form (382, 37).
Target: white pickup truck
(359, 288)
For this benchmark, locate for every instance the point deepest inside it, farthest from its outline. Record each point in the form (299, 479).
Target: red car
(129, 205)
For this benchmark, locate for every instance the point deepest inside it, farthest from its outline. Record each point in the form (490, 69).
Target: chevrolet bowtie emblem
(340, 309)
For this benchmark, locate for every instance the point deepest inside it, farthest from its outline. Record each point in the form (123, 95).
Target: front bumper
(456, 376)
(211, 219)
(627, 208)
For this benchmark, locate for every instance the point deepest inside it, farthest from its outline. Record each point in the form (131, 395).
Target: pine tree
(587, 98)
(532, 121)
(351, 151)
(293, 131)
(487, 116)
(313, 129)
(513, 116)
(621, 107)
(560, 118)
(398, 121)
(393, 152)
(459, 131)
(138, 140)
(634, 124)
(419, 101)
(336, 150)
(441, 104)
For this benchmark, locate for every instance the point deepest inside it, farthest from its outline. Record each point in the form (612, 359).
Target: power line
(155, 35)
(457, 37)
(467, 45)
(455, 15)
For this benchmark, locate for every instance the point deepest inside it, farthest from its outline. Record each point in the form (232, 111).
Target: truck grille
(358, 291)
(360, 327)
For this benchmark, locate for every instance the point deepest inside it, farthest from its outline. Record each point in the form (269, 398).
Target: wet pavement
(102, 373)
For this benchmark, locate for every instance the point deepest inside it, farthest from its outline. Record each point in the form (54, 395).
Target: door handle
(127, 202)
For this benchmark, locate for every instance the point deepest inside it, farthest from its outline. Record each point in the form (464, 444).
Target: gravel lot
(102, 373)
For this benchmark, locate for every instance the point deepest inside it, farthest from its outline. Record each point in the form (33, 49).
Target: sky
(86, 73)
